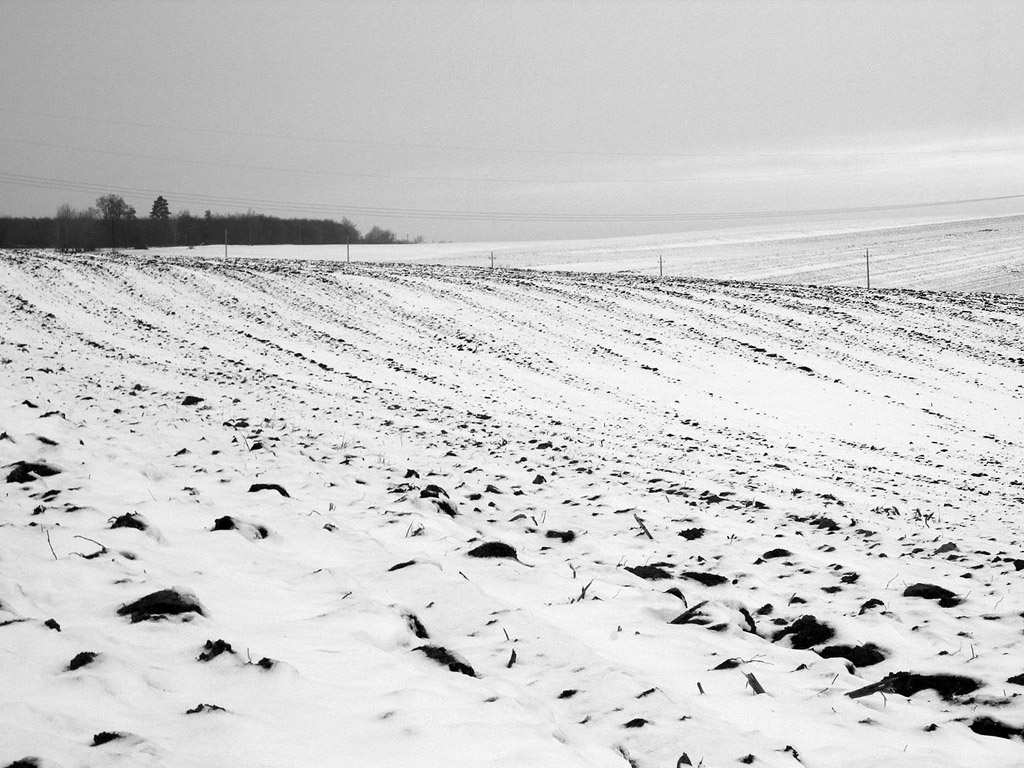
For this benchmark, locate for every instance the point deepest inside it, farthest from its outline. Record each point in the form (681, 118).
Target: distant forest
(113, 223)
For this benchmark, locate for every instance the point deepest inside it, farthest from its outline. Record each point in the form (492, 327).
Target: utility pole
(661, 265)
(492, 259)
(347, 238)
(225, 242)
(867, 261)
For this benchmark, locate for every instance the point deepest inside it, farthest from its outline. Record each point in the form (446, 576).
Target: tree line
(114, 223)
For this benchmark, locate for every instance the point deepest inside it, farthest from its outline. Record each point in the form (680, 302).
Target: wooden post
(642, 526)
(752, 681)
(867, 260)
(347, 260)
(225, 242)
(661, 266)
(492, 259)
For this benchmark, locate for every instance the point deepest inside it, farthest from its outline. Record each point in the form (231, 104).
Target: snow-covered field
(675, 483)
(963, 255)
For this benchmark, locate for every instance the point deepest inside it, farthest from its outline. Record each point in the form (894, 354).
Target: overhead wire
(476, 215)
(508, 149)
(705, 178)
(470, 215)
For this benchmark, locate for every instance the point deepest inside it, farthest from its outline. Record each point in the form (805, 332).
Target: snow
(961, 255)
(539, 401)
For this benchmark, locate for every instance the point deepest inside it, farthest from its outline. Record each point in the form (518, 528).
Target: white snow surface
(875, 436)
(960, 255)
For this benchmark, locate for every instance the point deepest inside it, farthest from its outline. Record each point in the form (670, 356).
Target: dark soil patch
(636, 722)
(82, 659)
(443, 656)
(771, 554)
(255, 487)
(565, 536)
(987, 726)
(159, 605)
(707, 579)
(445, 506)
(433, 492)
(947, 686)
(805, 632)
(650, 572)
(494, 549)
(199, 708)
(858, 655)
(52, 624)
(191, 400)
(1016, 679)
(400, 566)
(131, 520)
(104, 737)
(714, 498)
(27, 471)
(751, 624)
(691, 534)
(874, 602)
(416, 626)
(228, 523)
(25, 762)
(945, 598)
(693, 615)
(214, 648)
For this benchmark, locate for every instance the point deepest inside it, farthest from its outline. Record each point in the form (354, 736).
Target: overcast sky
(513, 120)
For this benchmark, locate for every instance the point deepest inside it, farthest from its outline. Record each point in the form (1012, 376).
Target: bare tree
(113, 208)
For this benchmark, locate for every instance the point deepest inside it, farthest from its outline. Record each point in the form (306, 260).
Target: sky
(518, 119)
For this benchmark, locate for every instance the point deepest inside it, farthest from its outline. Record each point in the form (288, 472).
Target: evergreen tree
(160, 209)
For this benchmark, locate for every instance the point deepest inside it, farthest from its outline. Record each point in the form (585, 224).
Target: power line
(511, 150)
(469, 215)
(462, 179)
